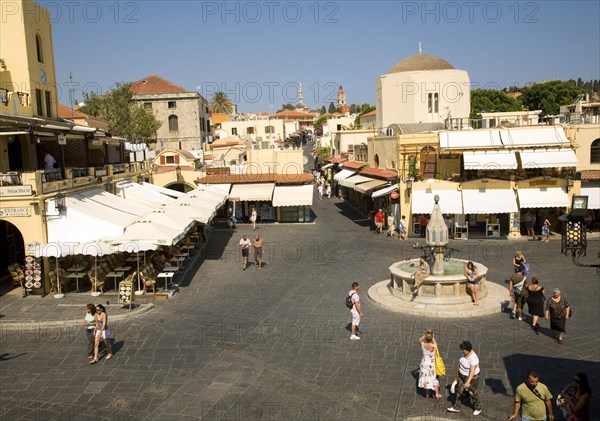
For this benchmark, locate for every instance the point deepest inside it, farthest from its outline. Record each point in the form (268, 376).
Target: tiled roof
(379, 173)
(226, 141)
(355, 165)
(156, 85)
(370, 113)
(590, 175)
(256, 178)
(69, 113)
(335, 160)
(293, 114)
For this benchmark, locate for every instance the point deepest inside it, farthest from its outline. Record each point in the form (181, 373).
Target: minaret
(420, 48)
(300, 98)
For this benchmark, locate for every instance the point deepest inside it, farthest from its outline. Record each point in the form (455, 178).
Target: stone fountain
(444, 293)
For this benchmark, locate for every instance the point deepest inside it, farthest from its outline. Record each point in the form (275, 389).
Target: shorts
(529, 225)
(257, 253)
(105, 334)
(355, 318)
(531, 419)
(519, 300)
(245, 252)
(379, 224)
(475, 282)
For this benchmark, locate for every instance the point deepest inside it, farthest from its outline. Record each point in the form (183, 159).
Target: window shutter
(177, 159)
(162, 160)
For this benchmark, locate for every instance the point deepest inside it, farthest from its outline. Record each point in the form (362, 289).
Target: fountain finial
(436, 198)
(437, 237)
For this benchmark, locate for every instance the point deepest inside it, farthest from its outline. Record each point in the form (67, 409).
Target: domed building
(422, 89)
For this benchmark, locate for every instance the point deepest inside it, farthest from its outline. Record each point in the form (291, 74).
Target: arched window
(173, 123)
(595, 152)
(38, 48)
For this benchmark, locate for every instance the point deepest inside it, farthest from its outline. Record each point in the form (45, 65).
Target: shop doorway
(12, 250)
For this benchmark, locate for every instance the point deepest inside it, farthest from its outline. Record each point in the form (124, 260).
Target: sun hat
(556, 291)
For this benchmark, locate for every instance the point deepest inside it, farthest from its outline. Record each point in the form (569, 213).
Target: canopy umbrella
(169, 220)
(148, 231)
(188, 210)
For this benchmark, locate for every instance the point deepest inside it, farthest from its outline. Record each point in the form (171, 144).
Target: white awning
(163, 190)
(342, 175)
(593, 194)
(84, 129)
(551, 158)
(551, 197)
(116, 202)
(491, 160)
(13, 133)
(324, 167)
(384, 191)
(351, 182)
(191, 210)
(170, 217)
(143, 195)
(490, 201)
(217, 191)
(370, 185)
(259, 191)
(470, 139)
(293, 195)
(546, 136)
(423, 201)
(148, 232)
(223, 187)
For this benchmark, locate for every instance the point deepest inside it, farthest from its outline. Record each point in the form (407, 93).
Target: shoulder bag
(440, 368)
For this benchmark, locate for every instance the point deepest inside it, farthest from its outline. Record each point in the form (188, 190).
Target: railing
(80, 172)
(51, 175)
(118, 168)
(100, 171)
(11, 179)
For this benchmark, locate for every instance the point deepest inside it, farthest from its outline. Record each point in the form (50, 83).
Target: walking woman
(468, 379)
(536, 297)
(576, 398)
(89, 323)
(253, 216)
(472, 280)
(546, 230)
(101, 333)
(518, 260)
(558, 311)
(427, 377)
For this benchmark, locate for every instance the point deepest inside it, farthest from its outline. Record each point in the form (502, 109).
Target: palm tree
(220, 103)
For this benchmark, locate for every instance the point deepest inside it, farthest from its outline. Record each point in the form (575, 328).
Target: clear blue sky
(258, 51)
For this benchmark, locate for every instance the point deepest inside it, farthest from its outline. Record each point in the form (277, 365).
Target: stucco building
(184, 115)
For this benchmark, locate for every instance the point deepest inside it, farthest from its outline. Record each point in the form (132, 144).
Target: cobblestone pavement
(274, 344)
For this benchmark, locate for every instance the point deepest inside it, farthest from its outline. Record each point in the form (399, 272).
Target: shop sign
(7, 191)
(534, 183)
(126, 292)
(26, 211)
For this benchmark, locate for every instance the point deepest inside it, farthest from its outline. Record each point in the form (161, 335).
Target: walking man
(258, 245)
(468, 379)
(245, 244)
(379, 222)
(533, 399)
(391, 221)
(355, 311)
(403, 228)
(516, 290)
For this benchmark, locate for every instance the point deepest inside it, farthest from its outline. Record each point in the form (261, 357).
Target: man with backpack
(353, 303)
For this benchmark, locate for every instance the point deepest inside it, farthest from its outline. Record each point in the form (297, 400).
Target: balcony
(32, 183)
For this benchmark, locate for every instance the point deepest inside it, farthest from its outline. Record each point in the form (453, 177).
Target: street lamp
(59, 202)
(573, 232)
(140, 179)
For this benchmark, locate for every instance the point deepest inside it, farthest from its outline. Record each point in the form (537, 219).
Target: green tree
(285, 107)
(319, 123)
(549, 96)
(126, 117)
(490, 100)
(331, 109)
(366, 108)
(323, 110)
(323, 152)
(220, 103)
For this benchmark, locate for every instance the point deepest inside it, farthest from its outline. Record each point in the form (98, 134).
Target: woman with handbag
(427, 371)
(574, 399)
(558, 311)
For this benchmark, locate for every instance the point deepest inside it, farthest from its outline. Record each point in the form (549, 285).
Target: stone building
(184, 115)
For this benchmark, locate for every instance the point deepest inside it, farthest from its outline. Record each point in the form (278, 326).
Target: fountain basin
(448, 289)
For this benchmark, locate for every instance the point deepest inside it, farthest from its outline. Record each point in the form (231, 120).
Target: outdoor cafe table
(177, 260)
(76, 276)
(77, 268)
(122, 269)
(115, 275)
(134, 259)
(168, 276)
(182, 254)
(188, 247)
(170, 269)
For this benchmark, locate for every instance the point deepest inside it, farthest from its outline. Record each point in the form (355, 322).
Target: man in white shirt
(468, 375)
(355, 311)
(49, 161)
(245, 244)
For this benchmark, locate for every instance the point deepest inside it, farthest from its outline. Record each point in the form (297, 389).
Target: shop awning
(546, 136)
(423, 201)
(142, 195)
(189, 210)
(293, 195)
(551, 197)
(116, 202)
(149, 232)
(222, 187)
(245, 192)
(13, 133)
(491, 160)
(369, 185)
(163, 190)
(324, 167)
(472, 139)
(593, 194)
(351, 182)
(342, 175)
(490, 201)
(384, 191)
(551, 158)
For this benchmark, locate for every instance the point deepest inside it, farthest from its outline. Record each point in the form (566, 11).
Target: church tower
(341, 101)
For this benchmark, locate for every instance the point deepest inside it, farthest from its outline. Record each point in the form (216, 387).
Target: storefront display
(33, 273)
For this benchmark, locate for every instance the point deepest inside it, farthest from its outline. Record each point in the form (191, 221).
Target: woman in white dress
(427, 378)
(253, 216)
